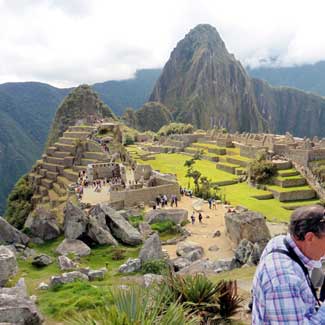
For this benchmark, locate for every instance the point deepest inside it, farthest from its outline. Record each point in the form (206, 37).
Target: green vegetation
(19, 205)
(164, 227)
(261, 171)
(135, 220)
(176, 128)
(155, 266)
(152, 116)
(181, 301)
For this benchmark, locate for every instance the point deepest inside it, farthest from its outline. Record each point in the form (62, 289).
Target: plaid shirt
(281, 294)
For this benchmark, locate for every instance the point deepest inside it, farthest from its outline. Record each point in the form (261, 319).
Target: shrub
(175, 128)
(155, 266)
(260, 171)
(128, 140)
(166, 226)
(18, 203)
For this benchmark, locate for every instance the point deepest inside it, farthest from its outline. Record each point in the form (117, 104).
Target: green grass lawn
(174, 164)
(237, 194)
(241, 194)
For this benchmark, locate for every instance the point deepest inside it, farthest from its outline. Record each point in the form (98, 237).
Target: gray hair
(307, 219)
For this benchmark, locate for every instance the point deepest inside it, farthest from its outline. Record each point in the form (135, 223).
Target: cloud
(66, 43)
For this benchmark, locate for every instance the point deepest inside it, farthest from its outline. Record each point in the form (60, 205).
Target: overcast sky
(68, 42)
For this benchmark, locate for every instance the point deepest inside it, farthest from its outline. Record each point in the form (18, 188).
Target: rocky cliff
(81, 104)
(151, 116)
(205, 85)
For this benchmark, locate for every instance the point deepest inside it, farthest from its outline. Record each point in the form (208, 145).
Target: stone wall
(101, 170)
(142, 171)
(250, 151)
(145, 195)
(294, 195)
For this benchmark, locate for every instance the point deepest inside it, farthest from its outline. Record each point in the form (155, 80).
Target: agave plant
(229, 300)
(138, 306)
(196, 292)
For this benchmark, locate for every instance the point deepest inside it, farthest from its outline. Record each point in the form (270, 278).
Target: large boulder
(120, 228)
(8, 264)
(73, 246)
(75, 221)
(100, 234)
(175, 215)
(145, 229)
(42, 223)
(248, 225)
(11, 235)
(17, 308)
(200, 266)
(151, 249)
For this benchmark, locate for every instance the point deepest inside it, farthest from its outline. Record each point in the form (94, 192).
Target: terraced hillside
(225, 166)
(61, 164)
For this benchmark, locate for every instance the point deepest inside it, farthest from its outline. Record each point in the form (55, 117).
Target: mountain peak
(81, 103)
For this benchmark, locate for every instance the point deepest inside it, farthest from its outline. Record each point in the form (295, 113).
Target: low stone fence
(145, 195)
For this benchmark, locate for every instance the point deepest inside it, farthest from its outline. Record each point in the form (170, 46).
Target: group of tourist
(183, 191)
(162, 201)
(200, 217)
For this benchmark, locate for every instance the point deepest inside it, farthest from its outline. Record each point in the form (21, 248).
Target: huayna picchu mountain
(80, 103)
(203, 84)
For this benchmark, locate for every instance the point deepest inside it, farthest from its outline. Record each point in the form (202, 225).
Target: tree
(189, 164)
(195, 174)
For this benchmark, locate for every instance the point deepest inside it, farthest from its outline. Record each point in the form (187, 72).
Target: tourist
(214, 204)
(200, 217)
(210, 202)
(176, 200)
(165, 199)
(158, 200)
(193, 218)
(283, 292)
(172, 200)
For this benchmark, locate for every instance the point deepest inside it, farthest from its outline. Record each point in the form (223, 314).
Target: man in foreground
(282, 289)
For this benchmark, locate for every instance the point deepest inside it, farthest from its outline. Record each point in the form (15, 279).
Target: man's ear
(309, 236)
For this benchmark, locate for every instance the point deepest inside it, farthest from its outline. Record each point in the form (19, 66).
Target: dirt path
(203, 233)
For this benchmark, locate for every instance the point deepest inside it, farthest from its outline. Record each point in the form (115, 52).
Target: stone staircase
(57, 169)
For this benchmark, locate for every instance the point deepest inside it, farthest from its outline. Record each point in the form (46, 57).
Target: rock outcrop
(120, 228)
(131, 265)
(11, 235)
(248, 225)
(43, 224)
(151, 249)
(8, 264)
(17, 308)
(175, 215)
(65, 264)
(75, 221)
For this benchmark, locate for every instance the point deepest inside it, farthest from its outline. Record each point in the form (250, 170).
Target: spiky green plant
(229, 300)
(138, 306)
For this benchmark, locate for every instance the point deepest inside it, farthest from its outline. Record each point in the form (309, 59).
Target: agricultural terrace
(237, 194)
